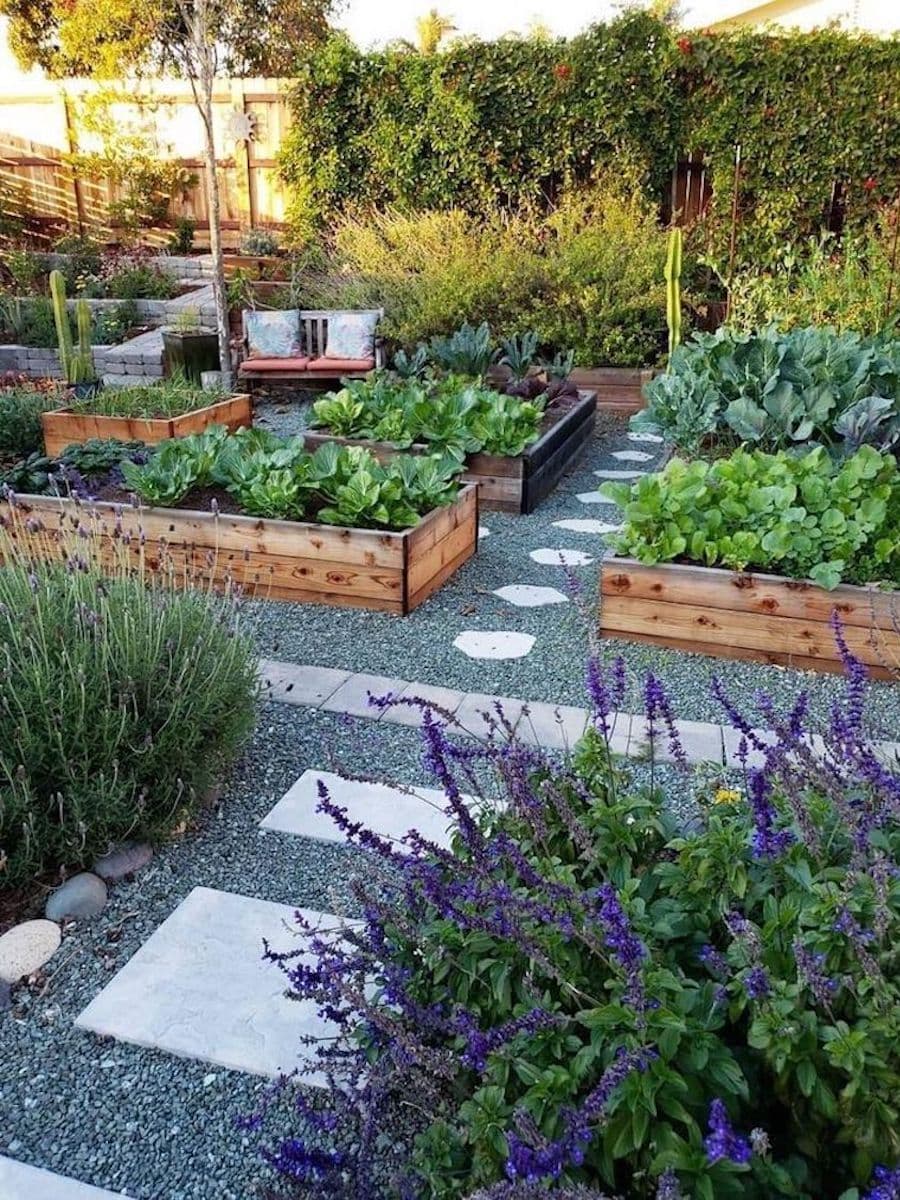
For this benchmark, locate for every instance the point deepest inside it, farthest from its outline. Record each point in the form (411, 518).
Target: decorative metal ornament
(241, 126)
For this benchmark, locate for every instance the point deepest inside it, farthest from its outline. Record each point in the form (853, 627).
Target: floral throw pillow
(351, 335)
(274, 334)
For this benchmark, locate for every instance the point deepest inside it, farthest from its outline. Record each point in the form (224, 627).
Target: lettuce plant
(582, 991)
(803, 516)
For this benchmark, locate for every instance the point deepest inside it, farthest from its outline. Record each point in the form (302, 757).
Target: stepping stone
(644, 437)
(18, 1180)
(494, 643)
(199, 987)
(447, 699)
(292, 683)
(593, 498)
(80, 898)
(25, 948)
(353, 696)
(554, 726)
(483, 532)
(123, 860)
(636, 456)
(619, 475)
(560, 558)
(388, 811)
(524, 595)
(470, 715)
(587, 525)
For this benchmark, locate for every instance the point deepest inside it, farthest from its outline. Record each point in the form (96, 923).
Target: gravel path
(420, 646)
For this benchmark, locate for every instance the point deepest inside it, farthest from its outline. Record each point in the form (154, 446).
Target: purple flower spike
(722, 1142)
(887, 1184)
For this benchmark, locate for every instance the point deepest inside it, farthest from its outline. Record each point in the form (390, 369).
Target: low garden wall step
(18, 1180)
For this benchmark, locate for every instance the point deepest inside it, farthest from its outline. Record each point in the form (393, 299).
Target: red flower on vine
(870, 184)
(562, 71)
(685, 45)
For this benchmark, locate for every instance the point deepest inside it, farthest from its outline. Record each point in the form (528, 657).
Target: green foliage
(30, 474)
(20, 419)
(97, 457)
(276, 477)
(499, 125)
(31, 322)
(453, 415)
(182, 240)
(778, 389)
(110, 324)
(803, 516)
(121, 705)
(467, 351)
(822, 282)
(259, 241)
(587, 275)
(170, 397)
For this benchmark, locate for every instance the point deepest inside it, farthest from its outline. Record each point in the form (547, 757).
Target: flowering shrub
(580, 991)
(121, 702)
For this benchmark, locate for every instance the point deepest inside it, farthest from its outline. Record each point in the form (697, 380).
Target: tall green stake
(673, 288)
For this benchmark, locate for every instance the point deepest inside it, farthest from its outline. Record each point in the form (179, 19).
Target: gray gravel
(420, 646)
(126, 1117)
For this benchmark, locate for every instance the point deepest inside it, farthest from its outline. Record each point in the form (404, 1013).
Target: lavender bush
(121, 702)
(579, 992)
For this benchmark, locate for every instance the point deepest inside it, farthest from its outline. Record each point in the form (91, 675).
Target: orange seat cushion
(338, 366)
(274, 364)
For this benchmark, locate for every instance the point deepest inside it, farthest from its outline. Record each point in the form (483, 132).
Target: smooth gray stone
(123, 860)
(79, 898)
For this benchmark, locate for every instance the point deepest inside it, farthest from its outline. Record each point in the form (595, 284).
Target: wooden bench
(313, 367)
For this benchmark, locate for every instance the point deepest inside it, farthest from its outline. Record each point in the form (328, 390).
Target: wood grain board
(765, 618)
(62, 427)
(281, 560)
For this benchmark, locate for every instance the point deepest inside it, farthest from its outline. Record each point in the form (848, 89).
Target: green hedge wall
(508, 123)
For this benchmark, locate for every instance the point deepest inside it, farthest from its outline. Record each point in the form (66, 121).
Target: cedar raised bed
(763, 618)
(280, 560)
(63, 427)
(517, 484)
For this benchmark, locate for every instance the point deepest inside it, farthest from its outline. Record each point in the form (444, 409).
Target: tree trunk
(215, 233)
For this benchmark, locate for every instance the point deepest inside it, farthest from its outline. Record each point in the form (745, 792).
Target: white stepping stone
(198, 987)
(494, 643)
(483, 532)
(644, 437)
(587, 525)
(594, 498)
(619, 474)
(18, 1180)
(388, 811)
(560, 558)
(524, 595)
(637, 456)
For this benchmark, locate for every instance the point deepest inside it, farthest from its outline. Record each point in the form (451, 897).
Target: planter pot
(192, 353)
(62, 427)
(277, 560)
(516, 484)
(763, 618)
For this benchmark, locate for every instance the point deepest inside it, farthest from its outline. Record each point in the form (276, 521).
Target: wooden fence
(40, 130)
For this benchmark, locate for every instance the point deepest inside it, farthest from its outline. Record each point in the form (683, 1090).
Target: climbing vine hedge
(509, 123)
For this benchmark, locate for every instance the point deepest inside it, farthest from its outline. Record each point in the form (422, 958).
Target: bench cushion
(274, 364)
(273, 334)
(351, 335)
(339, 366)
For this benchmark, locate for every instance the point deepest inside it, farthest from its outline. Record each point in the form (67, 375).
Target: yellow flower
(726, 796)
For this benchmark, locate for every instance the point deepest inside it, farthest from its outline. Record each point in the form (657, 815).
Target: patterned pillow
(351, 335)
(274, 334)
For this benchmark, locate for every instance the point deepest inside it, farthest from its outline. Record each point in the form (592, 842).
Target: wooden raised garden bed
(280, 560)
(764, 618)
(510, 484)
(63, 427)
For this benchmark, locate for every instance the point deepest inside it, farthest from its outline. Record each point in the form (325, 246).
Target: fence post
(70, 149)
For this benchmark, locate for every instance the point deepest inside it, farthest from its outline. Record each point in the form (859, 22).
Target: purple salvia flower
(887, 1184)
(628, 949)
(667, 1186)
(714, 960)
(810, 968)
(768, 842)
(722, 1142)
(756, 983)
(657, 705)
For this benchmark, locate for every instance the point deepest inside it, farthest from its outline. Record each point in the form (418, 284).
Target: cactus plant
(77, 363)
(673, 288)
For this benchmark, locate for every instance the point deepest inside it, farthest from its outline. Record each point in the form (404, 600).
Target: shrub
(122, 702)
(20, 417)
(846, 285)
(129, 275)
(581, 990)
(259, 241)
(589, 275)
(778, 390)
(110, 325)
(803, 516)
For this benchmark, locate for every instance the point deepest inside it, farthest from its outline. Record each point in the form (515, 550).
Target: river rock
(123, 860)
(79, 898)
(26, 947)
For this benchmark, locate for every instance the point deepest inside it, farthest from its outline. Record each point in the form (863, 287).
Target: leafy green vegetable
(802, 516)
(468, 351)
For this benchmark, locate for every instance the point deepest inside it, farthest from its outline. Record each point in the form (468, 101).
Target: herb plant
(582, 991)
(170, 397)
(802, 516)
(20, 417)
